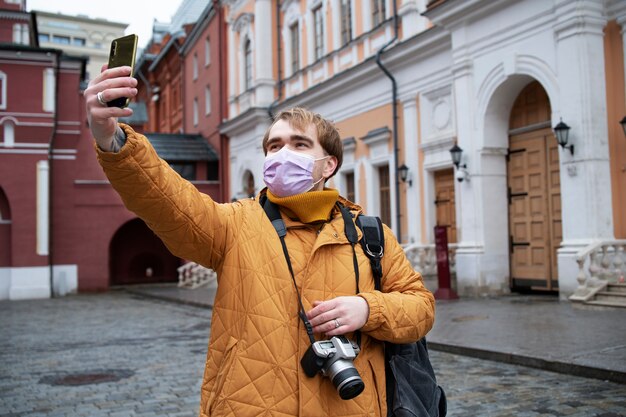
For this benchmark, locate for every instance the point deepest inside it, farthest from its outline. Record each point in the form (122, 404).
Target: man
(257, 337)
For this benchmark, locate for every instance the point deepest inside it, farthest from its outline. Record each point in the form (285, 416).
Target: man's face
(283, 134)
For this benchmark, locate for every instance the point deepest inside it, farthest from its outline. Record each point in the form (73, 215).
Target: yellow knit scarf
(309, 207)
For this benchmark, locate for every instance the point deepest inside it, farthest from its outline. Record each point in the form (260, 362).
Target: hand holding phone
(122, 53)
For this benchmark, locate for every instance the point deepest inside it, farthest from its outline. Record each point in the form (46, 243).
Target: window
(346, 22)
(49, 83)
(295, 43)
(350, 194)
(9, 134)
(3, 90)
(44, 37)
(318, 25)
(79, 42)
(247, 64)
(195, 111)
(378, 12)
(207, 100)
(195, 66)
(63, 40)
(385, 194)
(187, 170)
(207, 52)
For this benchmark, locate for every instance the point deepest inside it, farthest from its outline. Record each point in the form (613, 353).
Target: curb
(176, 300)
(531, 362)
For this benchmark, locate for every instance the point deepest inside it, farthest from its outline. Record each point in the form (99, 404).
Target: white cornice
(450, 13)
(244, 122)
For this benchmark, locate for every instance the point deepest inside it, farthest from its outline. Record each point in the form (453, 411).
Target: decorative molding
(376, 136)
(349, 144)
(242, 22)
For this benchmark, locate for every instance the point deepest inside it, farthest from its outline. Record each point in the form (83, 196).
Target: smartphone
(122, 53)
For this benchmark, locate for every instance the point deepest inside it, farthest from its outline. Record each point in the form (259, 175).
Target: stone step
(611, 296)
(600, 303)
(621, 288)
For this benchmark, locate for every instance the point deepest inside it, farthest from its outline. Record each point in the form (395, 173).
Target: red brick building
(61, 224)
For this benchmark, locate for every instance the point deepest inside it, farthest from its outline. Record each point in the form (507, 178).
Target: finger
(114, 93)
(320, 307)
(104, 67)
(103, 114)
(109, 73)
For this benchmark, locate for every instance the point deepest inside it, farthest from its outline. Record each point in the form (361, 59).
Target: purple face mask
(288, 173)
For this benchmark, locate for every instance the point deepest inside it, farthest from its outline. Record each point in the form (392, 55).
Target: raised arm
(190, 223)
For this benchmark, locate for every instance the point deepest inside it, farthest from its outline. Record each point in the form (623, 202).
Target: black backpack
(412, 389)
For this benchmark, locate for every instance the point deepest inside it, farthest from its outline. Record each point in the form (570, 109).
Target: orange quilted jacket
(257, 340)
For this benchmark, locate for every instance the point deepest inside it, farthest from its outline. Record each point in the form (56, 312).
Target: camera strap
(273, 213)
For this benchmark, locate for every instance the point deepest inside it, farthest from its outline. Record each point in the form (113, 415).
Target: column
(263, 58)
(585, 176)
(413, 208)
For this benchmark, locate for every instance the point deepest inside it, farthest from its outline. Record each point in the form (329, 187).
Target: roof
(139, 116)
(182, 147)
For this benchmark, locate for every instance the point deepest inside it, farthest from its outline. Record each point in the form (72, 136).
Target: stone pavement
(530, 330)
(120, 355)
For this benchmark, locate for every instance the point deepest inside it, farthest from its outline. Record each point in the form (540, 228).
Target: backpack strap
(373, 243)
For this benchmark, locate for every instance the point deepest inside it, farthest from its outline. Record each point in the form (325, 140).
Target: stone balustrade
(599, 264)
(423, 257)
(191, 276)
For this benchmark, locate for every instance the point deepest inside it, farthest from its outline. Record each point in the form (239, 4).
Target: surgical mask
(288, 173)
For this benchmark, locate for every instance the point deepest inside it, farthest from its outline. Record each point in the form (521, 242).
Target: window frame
(3, 90)
(318, 32)
(379, 12)
(207, 51)
(346, 22)
(207, 100)
(247, 58)
(294, 34)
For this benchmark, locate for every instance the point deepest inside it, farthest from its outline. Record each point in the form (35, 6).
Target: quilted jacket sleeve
(190, 223)
(405, 310)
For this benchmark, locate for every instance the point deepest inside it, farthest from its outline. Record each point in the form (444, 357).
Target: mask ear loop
(323, 178)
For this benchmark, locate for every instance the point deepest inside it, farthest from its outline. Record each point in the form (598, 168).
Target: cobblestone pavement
(118, 355)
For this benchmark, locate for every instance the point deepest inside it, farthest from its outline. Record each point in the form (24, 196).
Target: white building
(493, 77)
(79, 36)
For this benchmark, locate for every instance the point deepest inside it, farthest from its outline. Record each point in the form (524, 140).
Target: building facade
(79, 36)
(62, 226)
(405, 81)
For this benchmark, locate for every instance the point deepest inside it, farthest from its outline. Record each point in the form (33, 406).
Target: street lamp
(403, 171)
(562, 136)
(457, 154)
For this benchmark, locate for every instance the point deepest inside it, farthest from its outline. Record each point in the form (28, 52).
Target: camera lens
(348, 383)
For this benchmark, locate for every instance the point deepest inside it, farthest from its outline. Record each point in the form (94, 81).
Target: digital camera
(333, 358)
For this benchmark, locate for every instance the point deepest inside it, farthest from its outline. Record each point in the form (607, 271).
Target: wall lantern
(403, 171)
(457, 154)
(461, 169)
(623, 123)
(562, 136)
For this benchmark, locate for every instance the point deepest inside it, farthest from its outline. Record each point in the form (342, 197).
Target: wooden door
(444, 202)
(534, 209)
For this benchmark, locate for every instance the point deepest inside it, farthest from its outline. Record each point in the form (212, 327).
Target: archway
(137, 256)
(533, 176)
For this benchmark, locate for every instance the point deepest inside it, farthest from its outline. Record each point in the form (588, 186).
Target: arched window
(247, 54)
(8, 133)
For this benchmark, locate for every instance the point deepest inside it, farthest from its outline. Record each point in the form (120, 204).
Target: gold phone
(122, 53)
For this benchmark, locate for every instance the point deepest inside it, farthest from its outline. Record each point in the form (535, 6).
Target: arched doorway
(248, 185)
(534, 193)
(137, 256)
